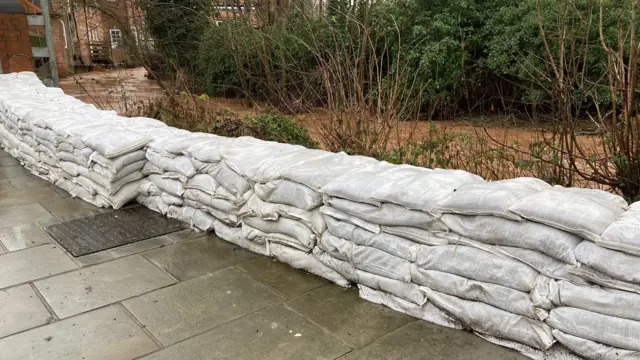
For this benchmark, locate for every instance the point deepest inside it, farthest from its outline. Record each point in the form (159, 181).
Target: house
(84, 34)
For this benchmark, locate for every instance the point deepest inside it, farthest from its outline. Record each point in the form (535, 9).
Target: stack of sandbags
(172, 173)
(93, 154)
(599, 320)
(284, 211)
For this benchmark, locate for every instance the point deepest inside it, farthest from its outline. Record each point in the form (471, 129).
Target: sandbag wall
(93, 154)
(519, 262)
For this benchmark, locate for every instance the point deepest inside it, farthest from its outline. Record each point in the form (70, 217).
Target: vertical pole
(48, 35)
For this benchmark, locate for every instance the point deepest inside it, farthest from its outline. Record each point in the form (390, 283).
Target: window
(116, 38)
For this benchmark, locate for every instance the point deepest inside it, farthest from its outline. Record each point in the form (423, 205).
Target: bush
(280, 128)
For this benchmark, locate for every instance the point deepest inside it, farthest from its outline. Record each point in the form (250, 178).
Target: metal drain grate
(101, 232)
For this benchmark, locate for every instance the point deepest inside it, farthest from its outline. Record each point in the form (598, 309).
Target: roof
(20, 7)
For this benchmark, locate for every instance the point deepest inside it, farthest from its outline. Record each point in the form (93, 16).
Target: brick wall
(15, 46)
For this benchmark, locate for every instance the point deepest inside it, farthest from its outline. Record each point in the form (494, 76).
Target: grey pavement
(183, 296)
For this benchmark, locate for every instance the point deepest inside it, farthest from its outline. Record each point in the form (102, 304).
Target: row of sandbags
(519, 262)
(93, 154)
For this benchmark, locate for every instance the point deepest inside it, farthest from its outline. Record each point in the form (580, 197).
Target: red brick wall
(15, 47)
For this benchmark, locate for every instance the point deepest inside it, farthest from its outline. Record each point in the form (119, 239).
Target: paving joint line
(332, 335)
(142, 326)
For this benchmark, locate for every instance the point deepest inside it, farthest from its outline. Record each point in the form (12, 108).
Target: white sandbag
(181, 213)
(202, 167)
(73, 169)
(490, 198)
(181, 145)
(202, 182)
(427, 311)
(203, 221)
(124, 195)
(230, 180)
(234, 235)
(90, 186)
(171, 200)
(172, 187)
(624, 233)
(292, 228)
(544, 264)
(584, 212)
(329, 211)
(149, 168)
(210, 201)
(318, 172)
(421, 190)
(592, 350)
(605, 301)
(304, 261)
(115, 142)
(528, 235)
(490, 320)
(502, 297)
(479, 265)
(128, 169)
(420, 236)
(404, 290)
(174, 176)
(388, 214)
(608, 330)
(116, 164)
(269, 211)
(240, 154)
(230, 219)
(394, 245)
(616, 264)
(289, 193)
(180, 164)
(112, 187)
(66, 156)
(271, 168)
(366, 258)
(147, 188)
(601, 279)
(360, 185)
(208, 151)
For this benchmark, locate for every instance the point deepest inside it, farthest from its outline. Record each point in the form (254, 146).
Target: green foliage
(281, 128)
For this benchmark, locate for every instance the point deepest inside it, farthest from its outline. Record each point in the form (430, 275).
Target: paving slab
(68, 206)
(423, 340)
(140, 246)
(7, 172)
(8, 161)
(4, 153)
(21, 309)
(107, 333)
(5, 185)
(18, 215)
(90, 288)
(186, 234)
(189, 308)
(29, 181)
(33, 264)
(193, 258)
(282, 277)
(95, 258)
(27, 196)
(23, 236)
(275, 333)
(354, 321)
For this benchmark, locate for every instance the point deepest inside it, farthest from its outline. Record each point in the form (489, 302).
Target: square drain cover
(105, 231)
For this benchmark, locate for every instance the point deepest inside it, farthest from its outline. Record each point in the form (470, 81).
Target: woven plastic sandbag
(616, 264)
(584, 212)
(624, 233)
(490, 198)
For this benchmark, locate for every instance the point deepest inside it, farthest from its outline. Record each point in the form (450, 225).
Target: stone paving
(183, 296)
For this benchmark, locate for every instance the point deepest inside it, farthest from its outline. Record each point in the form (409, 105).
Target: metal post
(48, 35)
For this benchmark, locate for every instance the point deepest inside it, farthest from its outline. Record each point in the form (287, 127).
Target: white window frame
(115, 38)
